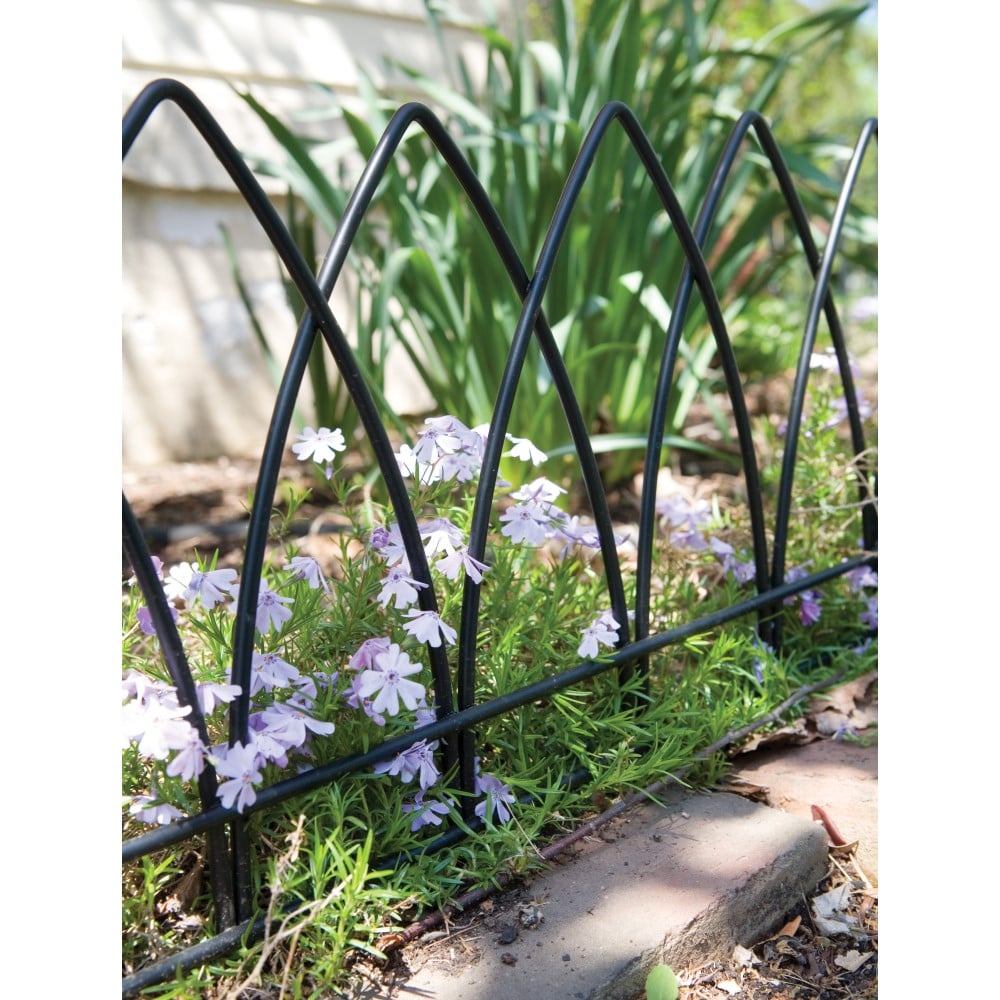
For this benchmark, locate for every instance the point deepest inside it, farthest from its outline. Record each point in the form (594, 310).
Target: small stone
(508, 959)
(508, 934)
(566, 957)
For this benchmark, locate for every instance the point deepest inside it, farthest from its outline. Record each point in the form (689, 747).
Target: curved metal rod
(377, 165)
(318, 312)
(664, 385)
(820, 295)
(172, 649)
(532, 304)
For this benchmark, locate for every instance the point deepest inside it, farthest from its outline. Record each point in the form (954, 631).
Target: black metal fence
(458, 712)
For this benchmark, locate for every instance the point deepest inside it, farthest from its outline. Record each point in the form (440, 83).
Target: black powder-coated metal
(458, 712)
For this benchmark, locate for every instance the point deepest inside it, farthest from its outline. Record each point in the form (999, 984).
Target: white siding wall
(194, 382)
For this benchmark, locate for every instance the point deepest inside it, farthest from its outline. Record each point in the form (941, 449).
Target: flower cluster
(383, 681)
(283, 723)
(862, 580)
(687, 521)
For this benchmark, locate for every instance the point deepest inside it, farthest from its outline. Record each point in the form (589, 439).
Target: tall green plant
(431, 280)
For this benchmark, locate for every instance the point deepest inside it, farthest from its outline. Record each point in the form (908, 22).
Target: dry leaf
(740, 786)
(847, 697)
(847, 706)
(853, 960)
(744, 956)
(790, 929)
(796, 734)
(830, 912)
(729, 986)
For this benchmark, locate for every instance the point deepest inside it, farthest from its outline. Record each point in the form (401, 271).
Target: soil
(202, 506)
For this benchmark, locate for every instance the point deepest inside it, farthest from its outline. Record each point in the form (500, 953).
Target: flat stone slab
(683, 883)
(842, 778)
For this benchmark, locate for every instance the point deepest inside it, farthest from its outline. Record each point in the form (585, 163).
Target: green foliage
(429, 281)
(321, 861)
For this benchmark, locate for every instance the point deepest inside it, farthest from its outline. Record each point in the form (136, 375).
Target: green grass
(320, 860)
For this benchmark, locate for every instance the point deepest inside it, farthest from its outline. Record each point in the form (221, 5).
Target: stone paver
(682, 883)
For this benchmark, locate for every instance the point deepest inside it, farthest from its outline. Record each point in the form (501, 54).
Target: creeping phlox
(281, 725)
(687, 520)
(381, 680)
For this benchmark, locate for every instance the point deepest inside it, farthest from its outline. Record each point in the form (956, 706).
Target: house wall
(195, 381)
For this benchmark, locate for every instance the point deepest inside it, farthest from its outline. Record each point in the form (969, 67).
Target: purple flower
(688, 538)
(497, 797)
(211, 695)
(604, 631)
(266, 745)
(526, 523)
(724, 552)
(186, 581)
(145, 619)
(869, 617)
(436, 441)
(355, 699)
(428, 626)
(268, 671)
(138, 686)
(305, 696)
(238, 763)
(270, 613)
(364, 658)
(388, 543)
(427, 812)
(827, 361)
(308, 569)
(862, 576)
(390, 683)
(289, 725)
(416, 760)
(440, 535)
(445, 450)
(190, 760)
(321, 446)
(760, 662)
(460, 559)
(157, 569)
(158, 724)
(742, 572)
(680, 512)
(424, 717)
(270, 609)
(809, 609)
(525, 450)
(399, 587)
(148, 810)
